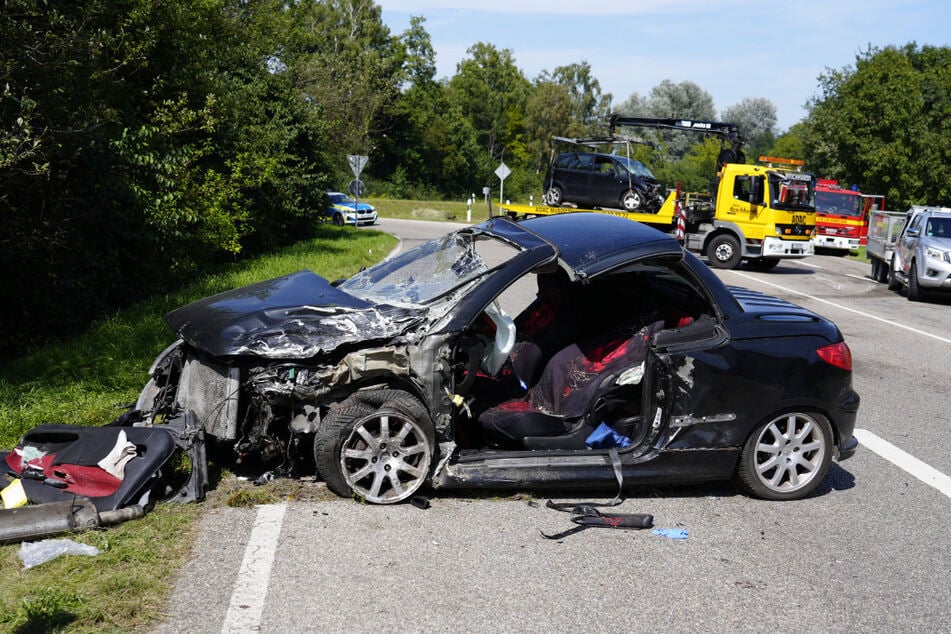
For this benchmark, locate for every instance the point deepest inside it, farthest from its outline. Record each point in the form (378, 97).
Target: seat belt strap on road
(586, 514)
(618, 473)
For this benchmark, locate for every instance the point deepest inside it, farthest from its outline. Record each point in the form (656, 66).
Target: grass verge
(87, 381)
(430, 210)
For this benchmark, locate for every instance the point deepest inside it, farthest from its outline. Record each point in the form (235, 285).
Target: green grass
(86, 381)
(429, 210)
(858, 255)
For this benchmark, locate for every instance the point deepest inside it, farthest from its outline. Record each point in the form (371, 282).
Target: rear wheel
(631, 200)
(554, 196)
(376, 445)
(882, 275)
(786, 458)
(893, 283)
(723, 252)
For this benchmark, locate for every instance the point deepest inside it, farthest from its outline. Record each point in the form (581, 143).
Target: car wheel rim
(386, 458)
(631, 201)
(724, 251)
(790, 452)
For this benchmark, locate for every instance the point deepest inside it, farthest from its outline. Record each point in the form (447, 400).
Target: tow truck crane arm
(596, 141)
(729, 132)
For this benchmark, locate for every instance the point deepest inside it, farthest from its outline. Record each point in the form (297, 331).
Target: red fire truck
(841, 216)
(870, 203)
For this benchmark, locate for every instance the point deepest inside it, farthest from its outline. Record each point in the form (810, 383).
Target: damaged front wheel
(381, 453)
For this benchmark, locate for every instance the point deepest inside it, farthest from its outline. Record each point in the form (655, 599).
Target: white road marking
(810, 264)
(250, 588)
(846, 308)
(924, 472)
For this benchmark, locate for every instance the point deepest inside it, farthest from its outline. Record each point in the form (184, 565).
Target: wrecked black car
(599, 180)
(570, 351)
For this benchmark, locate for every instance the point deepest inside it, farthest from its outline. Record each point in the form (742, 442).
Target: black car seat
(556, 406)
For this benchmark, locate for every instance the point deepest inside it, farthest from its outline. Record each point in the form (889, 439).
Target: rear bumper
(847, 449)
(845, 426)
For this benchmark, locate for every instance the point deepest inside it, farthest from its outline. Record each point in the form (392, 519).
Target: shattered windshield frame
(432, 269)
(636, 167)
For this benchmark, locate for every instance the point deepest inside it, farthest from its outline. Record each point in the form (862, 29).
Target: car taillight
(837, 354)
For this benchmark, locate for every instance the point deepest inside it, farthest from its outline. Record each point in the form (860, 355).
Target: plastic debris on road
(671, 533)
(36, 553)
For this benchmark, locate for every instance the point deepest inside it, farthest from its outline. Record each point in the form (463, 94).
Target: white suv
(922, 257)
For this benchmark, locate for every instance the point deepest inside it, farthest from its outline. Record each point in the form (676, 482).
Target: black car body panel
(421, 344)
(591, 244)
(289, 317)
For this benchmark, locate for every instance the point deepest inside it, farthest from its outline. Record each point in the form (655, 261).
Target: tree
(140, 141)
(548, 113)
(635, 105)
(344, 62)
(685, 100)
(756, 119)
(491, 92)
(696, 171)
(790, 144)
(427, 146)
(885, 123)
(589, 105)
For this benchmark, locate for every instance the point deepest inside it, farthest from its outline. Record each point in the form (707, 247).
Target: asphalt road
(870, 553)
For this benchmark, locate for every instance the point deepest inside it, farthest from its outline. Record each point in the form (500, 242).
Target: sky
(733, 49)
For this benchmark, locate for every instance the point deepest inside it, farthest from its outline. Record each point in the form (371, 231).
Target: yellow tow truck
(758, 213)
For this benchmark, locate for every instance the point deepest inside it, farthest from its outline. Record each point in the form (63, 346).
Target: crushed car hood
(296, 316)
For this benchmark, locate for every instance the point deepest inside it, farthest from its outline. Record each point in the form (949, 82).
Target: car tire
(893, 283)
(915, 293)
(338, 220)
(723, 252)
(876, 270)
(762, 264)
(554, 196)
(882, 276)
(377, 446)
(786, 458)
(631, 201)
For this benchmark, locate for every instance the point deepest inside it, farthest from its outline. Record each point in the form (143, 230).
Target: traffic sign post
(357, 163)
(502, 171)
(356, 187)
